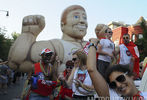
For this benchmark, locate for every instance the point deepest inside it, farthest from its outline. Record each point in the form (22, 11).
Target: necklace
(138, 96)
(46, 73)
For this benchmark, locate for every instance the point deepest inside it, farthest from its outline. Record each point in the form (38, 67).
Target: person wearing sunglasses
(79, 79)
(105, 50)
(129, 54)
(43, 77)
(100, 30)
(119, 80)
(69, 67)
(64, 92)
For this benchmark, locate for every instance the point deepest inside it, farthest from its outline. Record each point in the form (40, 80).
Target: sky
(98, 12)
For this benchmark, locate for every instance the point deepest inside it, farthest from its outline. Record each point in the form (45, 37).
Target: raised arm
(70, 79)
(98, 81)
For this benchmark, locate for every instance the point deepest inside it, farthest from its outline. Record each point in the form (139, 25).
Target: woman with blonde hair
(100, 30)
(79, 79)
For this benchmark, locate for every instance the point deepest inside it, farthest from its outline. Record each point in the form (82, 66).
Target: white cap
(46, 50)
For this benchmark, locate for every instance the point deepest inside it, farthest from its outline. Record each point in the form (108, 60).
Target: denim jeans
(35, 96)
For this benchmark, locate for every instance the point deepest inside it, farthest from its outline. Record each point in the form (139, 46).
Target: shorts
(102, 66)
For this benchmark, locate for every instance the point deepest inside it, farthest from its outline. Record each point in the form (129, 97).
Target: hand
(78, 83)
(94, 40)
(33, 24)
(61, 77)
(76, 65)
(112, 56)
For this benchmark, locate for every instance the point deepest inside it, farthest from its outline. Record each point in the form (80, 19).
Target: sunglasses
(125, 37)
(110, 32)
(69, 67)
(74, 59)
(120, 78)
(48, 54)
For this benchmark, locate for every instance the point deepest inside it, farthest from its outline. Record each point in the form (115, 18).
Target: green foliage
(142, 43)
(15, 35)
(5, 43)
(3, 47)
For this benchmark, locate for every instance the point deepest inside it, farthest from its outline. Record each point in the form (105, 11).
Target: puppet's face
(76, 24)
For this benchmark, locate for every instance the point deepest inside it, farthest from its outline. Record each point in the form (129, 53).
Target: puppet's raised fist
(33, 24)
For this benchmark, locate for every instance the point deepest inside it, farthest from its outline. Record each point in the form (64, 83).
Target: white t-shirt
(87, 81)
(115, 96)
(125, 55)
(108, 47)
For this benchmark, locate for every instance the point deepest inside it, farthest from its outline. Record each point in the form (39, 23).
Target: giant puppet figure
(26, 50)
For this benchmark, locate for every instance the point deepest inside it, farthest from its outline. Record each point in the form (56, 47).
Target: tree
(15, 35)
(5, 43)
(142, 43)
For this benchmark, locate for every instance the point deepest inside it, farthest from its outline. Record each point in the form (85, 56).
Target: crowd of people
(8, 77)
(100, 70)
(82, 76)
(119, 77)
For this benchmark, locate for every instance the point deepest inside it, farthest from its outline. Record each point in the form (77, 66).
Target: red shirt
(44, 87)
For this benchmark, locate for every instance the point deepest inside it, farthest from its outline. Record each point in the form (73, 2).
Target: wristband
(92, 44)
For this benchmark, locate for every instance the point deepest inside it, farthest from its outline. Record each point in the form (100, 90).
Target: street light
(7, 12)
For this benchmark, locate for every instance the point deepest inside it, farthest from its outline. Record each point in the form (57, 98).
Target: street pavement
(14, 91)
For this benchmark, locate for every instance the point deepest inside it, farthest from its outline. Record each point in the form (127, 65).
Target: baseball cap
(46, 50)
